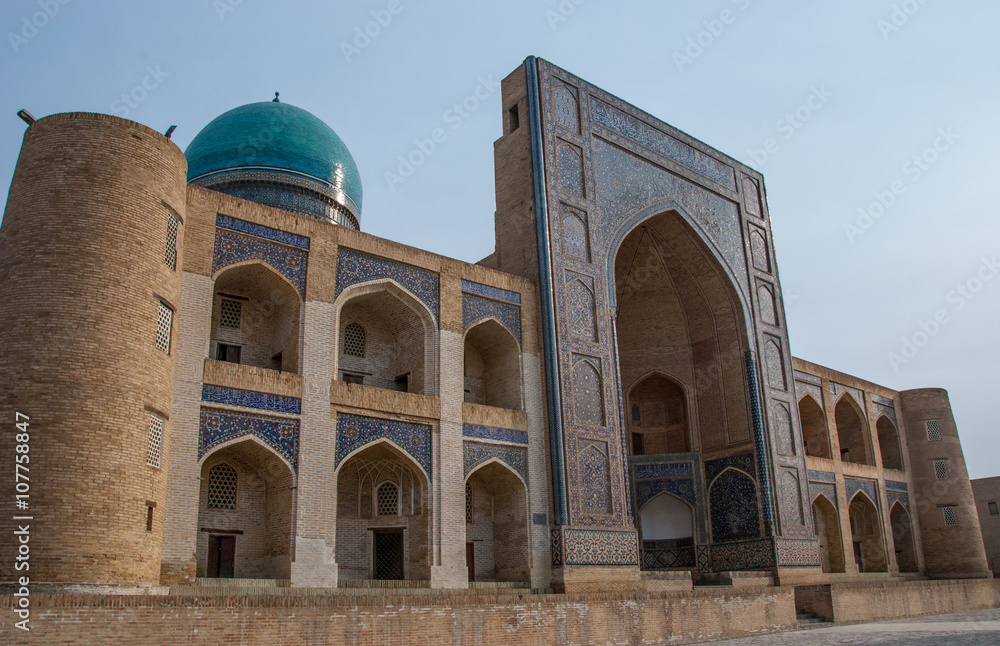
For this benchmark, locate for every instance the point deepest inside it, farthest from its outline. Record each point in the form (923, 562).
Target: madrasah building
(227, 378)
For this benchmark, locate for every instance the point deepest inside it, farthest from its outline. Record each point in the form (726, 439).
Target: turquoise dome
(270, 144)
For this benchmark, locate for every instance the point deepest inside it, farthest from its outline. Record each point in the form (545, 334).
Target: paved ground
(980, 628)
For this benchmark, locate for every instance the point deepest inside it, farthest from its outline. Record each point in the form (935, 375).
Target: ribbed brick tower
(949, 526)
(84, 269)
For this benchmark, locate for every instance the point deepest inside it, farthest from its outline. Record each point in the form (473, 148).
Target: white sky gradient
(893, 75)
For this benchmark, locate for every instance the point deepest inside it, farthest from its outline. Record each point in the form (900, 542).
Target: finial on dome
(275, 99)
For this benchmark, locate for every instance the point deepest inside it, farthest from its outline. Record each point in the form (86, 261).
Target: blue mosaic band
(261, 231)
(760, 443)
(896, 486)
(491, 292)
(600, 547)
(822, 476)
(493, 433)
(853, 486)
(477, 453)
(251, 399)
(232, 248)
(355, 431)
(356, 267)
(220, 426)
(476, 309)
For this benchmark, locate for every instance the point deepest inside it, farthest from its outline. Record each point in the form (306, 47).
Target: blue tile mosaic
(704, 557)
(885, 401)
(580, 307)
(852, 486)
(251, 399)
(733, 507)
(859, 395)
(663, 470)
(476, 309)
(892, 497)
(600, 547)
(743, 462)
(745, 555)
(798, 552)
(356, 267)
(888, 411)
(656, 558)
(805, 376)
(571, 175)
(566, 106)
(557, 547)
(261, 231)
(355, 431)
(476, 453)
(232, 248)
(595, 478)
(789, 499)
(492, 433)
(760, 443)
(826, 489)
(647, 490)
(896, 486)
(491, 292)
(822, 476)
(219, 426)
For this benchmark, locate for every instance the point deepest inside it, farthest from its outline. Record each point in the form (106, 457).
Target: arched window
(222, 487)
(388, 499)
(354, 340)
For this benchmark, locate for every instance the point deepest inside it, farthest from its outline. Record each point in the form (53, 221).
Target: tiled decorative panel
(575, 234)
(852, 486)
(898, 496)
(261, 231)
(751, 196)
(808, 378)
(580, 304)
(492, 433)
(744, 555)
(489, 291)
(827, 489)
(567, 106)
(356, 267)
(798, 552)
(812, 390)
(251, 399)
(896, 486)
(703, 556)
(743, 462)
(882, 401)
(476, 453)
(599, 547)
(663, 470)
(822, 476)
(571, 177)
(859, 396)
(232, 248)
(781, 428)
(220, 426)
(649, 489)
(595, 472)
(355, 431)
(789, 499)
(476, 309)
(888, 411)
(733, 507)
(588, 392)
(556, 544)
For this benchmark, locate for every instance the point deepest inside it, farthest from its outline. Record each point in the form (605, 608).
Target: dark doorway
(221, 556)
(857, 556)
(389, 555)
(470, 559)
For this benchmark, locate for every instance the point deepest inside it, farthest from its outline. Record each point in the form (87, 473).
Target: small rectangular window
(403, 383)
(941, 469)
(170, 256)
(353, 378)
(154, 444)
(950, 519)
(993, 509)
(228, 353)
(637, 444)
(164, 324)
(230, 313)
(515, 118)
(150, 506)
(933, 430)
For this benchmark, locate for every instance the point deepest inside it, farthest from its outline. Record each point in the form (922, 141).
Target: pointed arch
(492, 366)
(902, 538)
(826, 525)
(866, 534)
(852, 431)
(815, 434)
(666, 530)
(659, 420)
(888, 443)
(733, 505)
(588, 394)
(500, 526)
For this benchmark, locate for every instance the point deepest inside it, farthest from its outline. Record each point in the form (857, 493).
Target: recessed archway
(657, 417)
(245, 513)
(815, 435)
(256, 318)
(902, 539)
(866, 535)
(852, 431)
(666, 530)
(888, 444)
(827, 528)
(497, 525)
(492, 366)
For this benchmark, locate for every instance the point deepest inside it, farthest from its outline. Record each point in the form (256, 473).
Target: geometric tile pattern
(232, 247)
(822, 476)
(704, 558)
(743, 462)
(884, 401)
(647, 489)
(355, 267)
(745, 555)
(218, 426)
(491, 292)
(798, 553)
(475, 453)
(759, 441)
(600, 547)
(827, 489)
(853, 486)
(476, 309)
(595, 478)
(260, 231)
(733, 508)
(898, 496)
(896, 486)
(663, 470)
(355, 431)
(888, 411)
(657, 558)
(804, 376)
(789, 497)
(491, 433)
(859, 396)
(251, 399)
(557, 547)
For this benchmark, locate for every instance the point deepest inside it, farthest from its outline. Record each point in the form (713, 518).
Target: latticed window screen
(388, 499)
(468, 503)
(170, 257)
(154, 446)
(950, 519)
(933, 430)
(222, 487)
(163, 325)
(354, 340)
(230, 313)
(941, 469)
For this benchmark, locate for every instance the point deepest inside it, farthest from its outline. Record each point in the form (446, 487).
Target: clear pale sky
(868, 85)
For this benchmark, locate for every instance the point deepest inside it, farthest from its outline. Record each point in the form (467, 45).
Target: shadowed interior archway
(902, 539)
(888, 444)
(497, 525)
(827, 528)
(852, 431)
(866, 535)
(657, 417)
(815, 434)
(492, 366)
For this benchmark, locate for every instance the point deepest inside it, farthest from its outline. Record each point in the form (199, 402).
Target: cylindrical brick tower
(942, 494)
(89, 281)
